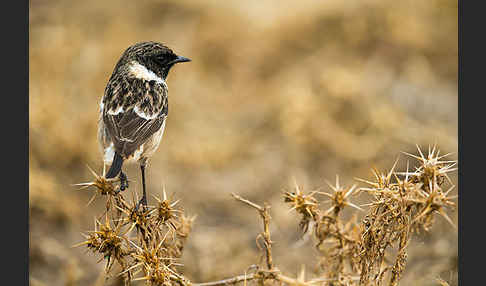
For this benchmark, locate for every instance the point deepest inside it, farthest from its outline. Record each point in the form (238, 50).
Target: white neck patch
(141, 72)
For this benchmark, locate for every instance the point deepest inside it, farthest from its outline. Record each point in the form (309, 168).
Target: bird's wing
(129, 131)
(137, 116)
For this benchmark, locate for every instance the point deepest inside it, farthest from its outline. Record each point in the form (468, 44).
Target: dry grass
(147, 242)
(305, 89)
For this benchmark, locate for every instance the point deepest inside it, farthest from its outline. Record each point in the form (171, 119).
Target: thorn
(349, 191)
(93, 172)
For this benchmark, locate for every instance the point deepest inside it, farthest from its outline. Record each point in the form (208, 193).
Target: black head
(154, 56)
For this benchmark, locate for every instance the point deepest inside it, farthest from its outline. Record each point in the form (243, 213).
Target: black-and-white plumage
(134, 107)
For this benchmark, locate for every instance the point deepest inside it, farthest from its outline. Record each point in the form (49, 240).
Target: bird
(134, 109)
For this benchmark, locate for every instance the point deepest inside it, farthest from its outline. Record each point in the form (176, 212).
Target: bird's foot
(123, 182)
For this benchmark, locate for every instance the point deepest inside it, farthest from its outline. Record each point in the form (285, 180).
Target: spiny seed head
(149, 256)
(157, 276)
(431, 168)
(154, 265)
(303, 204)
(134, 217)
(104, 186)
(139, 218)
(340, 197)
(101, 185)
(107, 241)
(438, 200)
(165, 209)
(383, 181)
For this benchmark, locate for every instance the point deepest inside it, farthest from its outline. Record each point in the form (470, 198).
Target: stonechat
(134, 108)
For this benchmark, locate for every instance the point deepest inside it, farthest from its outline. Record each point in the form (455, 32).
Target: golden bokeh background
(275, 91)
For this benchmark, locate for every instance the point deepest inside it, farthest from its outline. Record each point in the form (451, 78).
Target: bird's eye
(160, 59)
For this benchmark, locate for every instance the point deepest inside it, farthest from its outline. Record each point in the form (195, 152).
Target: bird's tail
(115, 167)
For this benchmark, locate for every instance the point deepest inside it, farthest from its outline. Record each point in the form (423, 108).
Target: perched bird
(134, 108)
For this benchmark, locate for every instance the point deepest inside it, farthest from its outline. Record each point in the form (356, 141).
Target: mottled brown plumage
(134, 107)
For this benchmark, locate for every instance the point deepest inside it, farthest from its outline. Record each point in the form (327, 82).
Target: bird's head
(155, 57)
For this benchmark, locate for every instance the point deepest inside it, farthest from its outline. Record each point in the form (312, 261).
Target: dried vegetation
(147, 243)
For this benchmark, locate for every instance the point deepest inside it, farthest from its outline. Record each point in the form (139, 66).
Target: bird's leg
(143, 201)
(123, 181)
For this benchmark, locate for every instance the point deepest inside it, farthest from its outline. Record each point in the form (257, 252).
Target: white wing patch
(142, 114)
(115, 112)
(141, 72)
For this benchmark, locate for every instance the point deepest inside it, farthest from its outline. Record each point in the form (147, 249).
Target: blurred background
(302, 89)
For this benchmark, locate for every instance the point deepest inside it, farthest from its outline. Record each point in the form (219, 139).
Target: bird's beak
(180, 59)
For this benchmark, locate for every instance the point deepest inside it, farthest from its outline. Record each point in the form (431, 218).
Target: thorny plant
(351, 252)
(145, 242)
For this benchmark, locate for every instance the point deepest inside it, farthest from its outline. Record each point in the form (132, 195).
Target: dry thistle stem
(263, 211)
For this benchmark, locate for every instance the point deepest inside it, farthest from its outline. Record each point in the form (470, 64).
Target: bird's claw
(123, 182)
